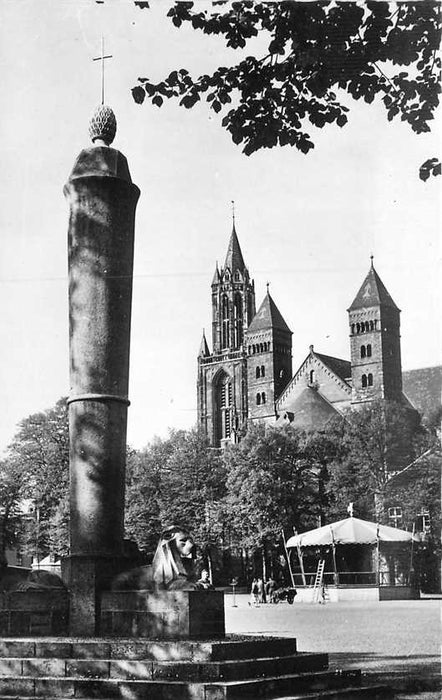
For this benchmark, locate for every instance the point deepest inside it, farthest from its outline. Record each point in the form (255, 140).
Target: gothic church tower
(375, 343)
(222, 374)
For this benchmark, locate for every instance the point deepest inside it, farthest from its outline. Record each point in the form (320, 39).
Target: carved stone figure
(171, 568)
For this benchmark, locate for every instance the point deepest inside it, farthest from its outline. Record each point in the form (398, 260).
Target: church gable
(315, 374)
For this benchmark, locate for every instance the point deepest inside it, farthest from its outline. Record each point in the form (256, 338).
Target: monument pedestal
(163, 615)
(86, 578)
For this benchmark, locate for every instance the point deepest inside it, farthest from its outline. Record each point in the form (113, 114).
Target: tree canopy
(379, 440)
(318, 55)
(175, 480)
(38, 461)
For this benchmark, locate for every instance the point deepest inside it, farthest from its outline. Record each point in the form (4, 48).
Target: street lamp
(234, 583)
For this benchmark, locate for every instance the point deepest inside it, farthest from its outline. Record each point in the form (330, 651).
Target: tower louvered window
(224, 403)
(225, 328)
(238, 320)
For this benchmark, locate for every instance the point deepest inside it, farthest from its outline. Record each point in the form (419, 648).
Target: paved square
(397, 641)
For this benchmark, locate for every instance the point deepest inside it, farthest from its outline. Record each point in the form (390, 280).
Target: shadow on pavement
(414, 676)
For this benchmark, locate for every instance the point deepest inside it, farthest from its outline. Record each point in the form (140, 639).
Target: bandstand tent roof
(350, 531)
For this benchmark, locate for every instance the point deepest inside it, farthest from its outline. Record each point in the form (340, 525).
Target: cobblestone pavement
(397, 642)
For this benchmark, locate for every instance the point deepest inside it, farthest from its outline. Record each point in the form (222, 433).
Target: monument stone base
(163, 615)
(34, 613)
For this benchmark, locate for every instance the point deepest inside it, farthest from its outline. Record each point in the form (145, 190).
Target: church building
(251, 358)
(248, 375)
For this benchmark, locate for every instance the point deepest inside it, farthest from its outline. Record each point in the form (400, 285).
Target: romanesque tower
(222, 374)
(269, 359)
(375, 343)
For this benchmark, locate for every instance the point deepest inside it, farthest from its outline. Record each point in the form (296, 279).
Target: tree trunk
(3, 560)
(209, 565)
(264, 565)
(379, 505)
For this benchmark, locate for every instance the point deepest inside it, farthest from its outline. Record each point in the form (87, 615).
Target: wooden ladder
(317, 586)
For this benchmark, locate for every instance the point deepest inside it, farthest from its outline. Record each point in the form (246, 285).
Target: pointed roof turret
(268, 316)
(372, 292)
(216, 276)
(234, 259)
(204, 348)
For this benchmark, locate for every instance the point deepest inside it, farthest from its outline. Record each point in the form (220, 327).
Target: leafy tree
(178, 480)
(143, 493)
(318, 55)
(39, 456)
(322, 449)
(272, 486)
(10, 494)
(379, 439)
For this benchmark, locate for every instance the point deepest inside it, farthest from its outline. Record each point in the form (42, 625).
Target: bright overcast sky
(307, 224)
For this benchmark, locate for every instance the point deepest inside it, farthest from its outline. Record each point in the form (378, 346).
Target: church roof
(268, 316)
(310, 410)
(423, 388)
(204, 348)
(234, 259)
(372, 293)
(340, 367)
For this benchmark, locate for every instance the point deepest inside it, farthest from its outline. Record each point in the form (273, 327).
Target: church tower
(269, 359)
(375, 343)
(222, 374)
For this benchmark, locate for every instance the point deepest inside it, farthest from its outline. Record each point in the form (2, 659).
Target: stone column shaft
(102, 203)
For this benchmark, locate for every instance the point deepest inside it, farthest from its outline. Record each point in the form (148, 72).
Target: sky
(306, 224)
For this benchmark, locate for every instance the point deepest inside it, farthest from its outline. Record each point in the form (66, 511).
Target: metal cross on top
(102, 58)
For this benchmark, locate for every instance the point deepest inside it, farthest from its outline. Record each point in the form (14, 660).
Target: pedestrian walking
(270, 590)
(254, 600)
(261, 594)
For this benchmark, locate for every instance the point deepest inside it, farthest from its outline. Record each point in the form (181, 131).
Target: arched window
(237, 320)
(237, 276)
(375, 324)
(258, 372)
(223, 404)
(243, 395)
(263, 397)
(261, 347)
(249, 310)
(358, 328)
(312, 376)
(225, 330)
(263, 371)
(352, 328)
(369, 350)
(371, 325)
(363, 351)
(364, 381)
(258, 399)
(370, 380)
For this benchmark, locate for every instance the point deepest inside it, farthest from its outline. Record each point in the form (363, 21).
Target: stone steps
(379, 692)
(310, 685)
(135, 669)
(155, 670)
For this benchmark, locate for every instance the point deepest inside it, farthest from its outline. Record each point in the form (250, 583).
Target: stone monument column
(102, 200)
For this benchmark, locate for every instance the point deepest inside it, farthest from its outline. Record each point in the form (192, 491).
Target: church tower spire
(222, 374)
(374, 321)
(233, 299)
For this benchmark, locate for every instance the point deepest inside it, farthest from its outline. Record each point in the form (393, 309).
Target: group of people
(262, 592)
